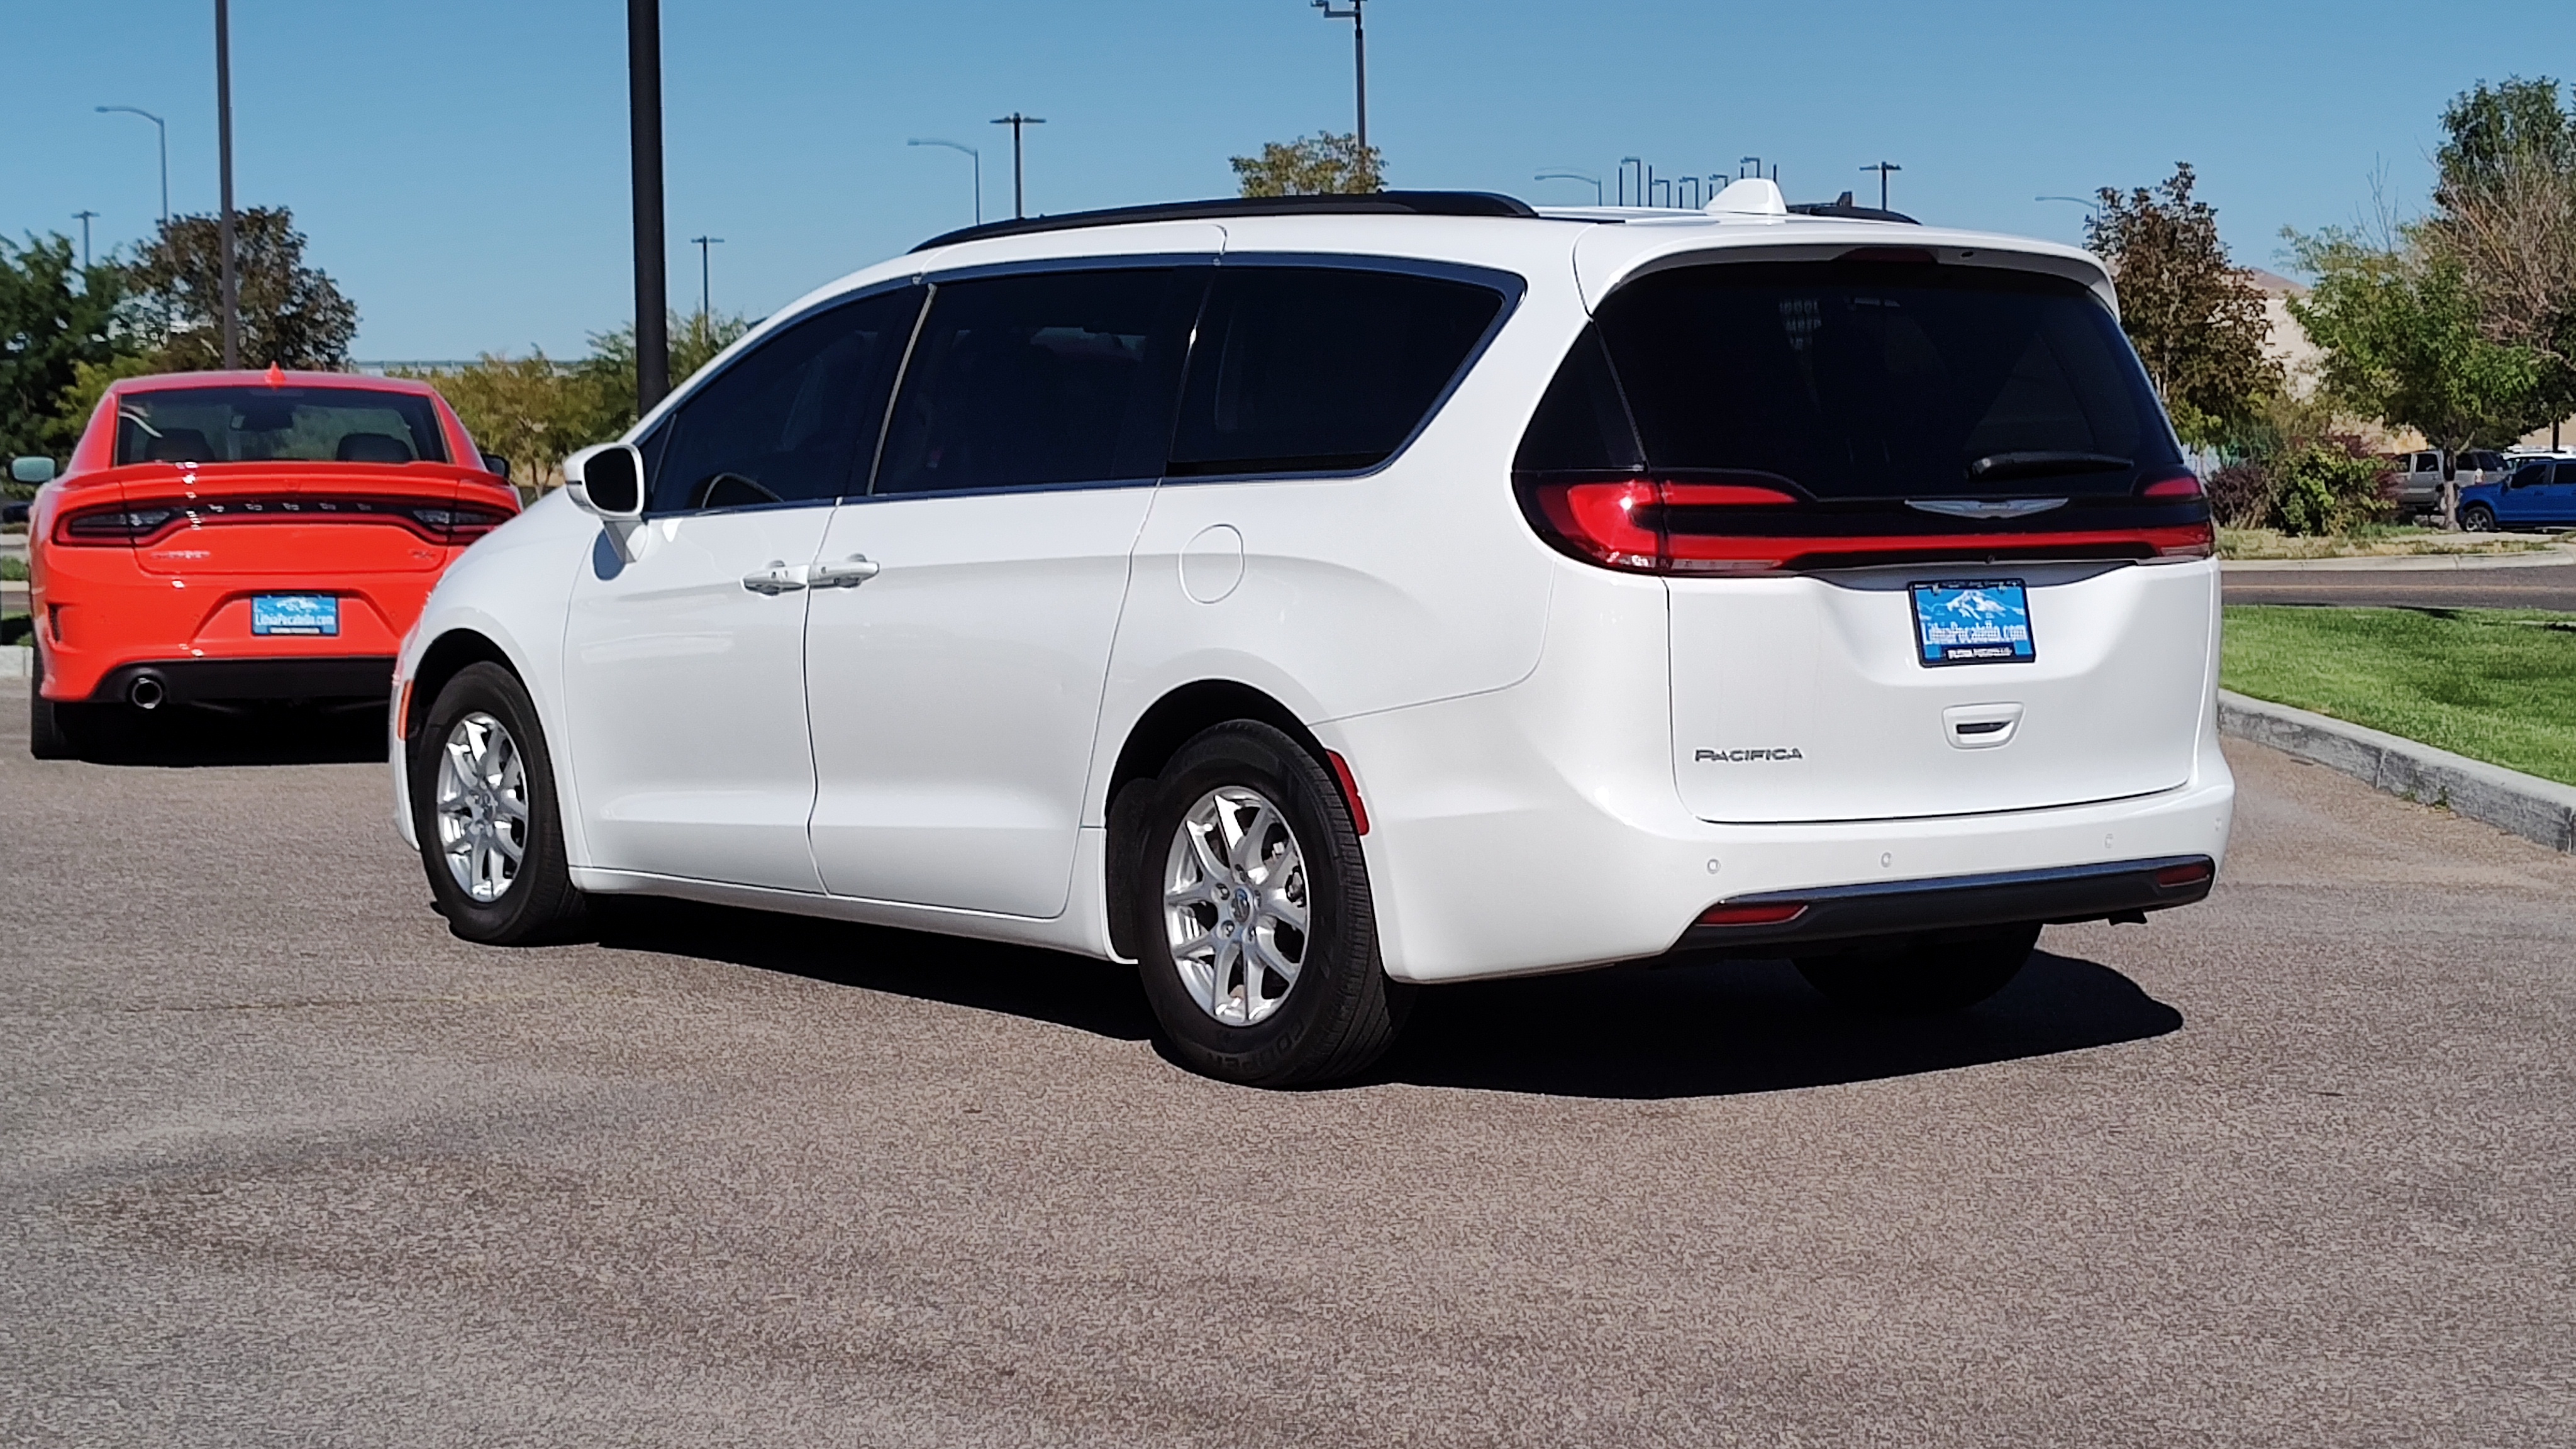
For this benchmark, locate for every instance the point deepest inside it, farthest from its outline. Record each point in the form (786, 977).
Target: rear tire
(55, 731)
(484, 805)
(1280, 882)
(2477, 518)
(1921, 975)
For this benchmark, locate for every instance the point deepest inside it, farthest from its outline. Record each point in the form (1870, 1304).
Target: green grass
(2494, 684)
(13, 570)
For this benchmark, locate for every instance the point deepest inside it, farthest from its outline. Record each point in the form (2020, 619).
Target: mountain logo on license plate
(1972, 621)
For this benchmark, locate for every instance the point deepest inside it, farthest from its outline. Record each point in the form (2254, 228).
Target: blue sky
(460, 166)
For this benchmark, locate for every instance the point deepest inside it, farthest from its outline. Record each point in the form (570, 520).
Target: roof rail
(1843, 210)
(1413, 203)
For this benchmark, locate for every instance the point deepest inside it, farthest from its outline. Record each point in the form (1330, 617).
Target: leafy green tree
(610, 367)
(2196, 318)
(1322, 164)
(2505, 211)
(55, 316)
(291, 314)
(531, 410)
(2403, 343)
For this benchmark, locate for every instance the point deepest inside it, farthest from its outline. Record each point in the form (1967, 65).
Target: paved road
(281, 1162)
(2551, 586)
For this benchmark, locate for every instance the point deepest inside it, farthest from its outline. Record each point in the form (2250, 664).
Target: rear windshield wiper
(2023, 465)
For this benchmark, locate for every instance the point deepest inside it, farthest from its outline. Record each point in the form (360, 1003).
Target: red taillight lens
(1767, 914)
(458, 525)
(2176, 486)
(114, 525)
(1622, 524)
(2187, 874)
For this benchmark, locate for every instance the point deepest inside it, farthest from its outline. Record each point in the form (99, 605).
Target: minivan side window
(1042, 378)
(792, 420)
(1321, 369)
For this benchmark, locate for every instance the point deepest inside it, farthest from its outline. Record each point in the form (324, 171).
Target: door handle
(774, 580)
(848, 574)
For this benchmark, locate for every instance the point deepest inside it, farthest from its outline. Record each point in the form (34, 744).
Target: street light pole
(644, 143)
(224, 147)
(1624, 163)
(83, 217)
(164, 129)
(1573, 176)
(1019, 198)
(1359, 58)
(978, 158)
(1882, 168)
(706, 307)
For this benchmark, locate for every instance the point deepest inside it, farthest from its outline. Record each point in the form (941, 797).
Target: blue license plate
(1978, 621)
(295, 614)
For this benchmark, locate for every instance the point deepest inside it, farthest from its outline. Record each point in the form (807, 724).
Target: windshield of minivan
(276, 424)
(1872, 380)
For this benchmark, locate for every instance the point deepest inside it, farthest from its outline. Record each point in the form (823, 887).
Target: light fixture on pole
(1359, 59)
(1882, 168)
(224, 149)
(83, 217)
(644, 145)
(1573, 176)
(2092, 206)
(163, 127)
(977, 157)
(1019, 198)
(706, 308)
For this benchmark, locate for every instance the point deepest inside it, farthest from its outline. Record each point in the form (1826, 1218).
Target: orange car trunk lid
(291, 518)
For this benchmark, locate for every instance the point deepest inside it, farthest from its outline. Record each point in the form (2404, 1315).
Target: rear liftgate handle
(849, 574)
(778, 578)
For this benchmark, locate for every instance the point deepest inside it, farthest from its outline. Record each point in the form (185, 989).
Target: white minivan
(1316, 599)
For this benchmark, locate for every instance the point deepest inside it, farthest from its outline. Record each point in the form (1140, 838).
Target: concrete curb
(2526, 805)
(2556, 556)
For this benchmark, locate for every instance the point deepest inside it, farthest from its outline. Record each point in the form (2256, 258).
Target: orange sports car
(224, 537)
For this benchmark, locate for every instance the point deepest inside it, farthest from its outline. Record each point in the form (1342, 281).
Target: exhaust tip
(146, 692)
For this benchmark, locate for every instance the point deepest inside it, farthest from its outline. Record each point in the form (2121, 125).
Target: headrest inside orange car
(181, 445)
(373, 448)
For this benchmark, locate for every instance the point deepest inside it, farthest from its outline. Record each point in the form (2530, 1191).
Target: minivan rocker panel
(1526, 670)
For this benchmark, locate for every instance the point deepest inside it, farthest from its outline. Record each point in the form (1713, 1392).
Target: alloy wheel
(482, 807)
(1235, 905)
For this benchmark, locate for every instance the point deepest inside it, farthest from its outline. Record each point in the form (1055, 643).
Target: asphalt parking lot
(2548, 586)
(282, 1162)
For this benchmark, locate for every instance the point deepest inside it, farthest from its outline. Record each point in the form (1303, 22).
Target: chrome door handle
(774, 580)
(849, 574)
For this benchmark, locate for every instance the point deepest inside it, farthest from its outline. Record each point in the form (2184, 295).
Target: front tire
(490, 823)
(1257, 938)
(1921, 975)
(2477, 518)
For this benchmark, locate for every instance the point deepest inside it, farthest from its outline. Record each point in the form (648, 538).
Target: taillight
(1770, 913)
(458, 525)
(1628, 524)
(114, 525)
(2177, 485)
(2174, 877)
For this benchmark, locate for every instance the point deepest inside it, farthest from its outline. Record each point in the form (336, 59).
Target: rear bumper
(214, 681)
(2060, 896)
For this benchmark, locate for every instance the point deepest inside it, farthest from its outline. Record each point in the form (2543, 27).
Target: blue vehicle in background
(2539, 494)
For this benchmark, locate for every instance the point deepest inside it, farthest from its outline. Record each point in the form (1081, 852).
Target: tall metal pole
(1882, 168)
(1019, 198)
(224, 148)
(83, 217)
(706, 308)
(644, 137)
(1359, 57)
(163, 128)
(972, 154)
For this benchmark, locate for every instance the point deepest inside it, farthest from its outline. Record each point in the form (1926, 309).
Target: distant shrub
(2332, 485)
(2241, 495)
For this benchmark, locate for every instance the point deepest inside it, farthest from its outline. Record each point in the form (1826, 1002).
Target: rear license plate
(295, 614)
(1978, 621)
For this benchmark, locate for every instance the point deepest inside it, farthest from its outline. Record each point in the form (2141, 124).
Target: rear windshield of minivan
(1870, 380)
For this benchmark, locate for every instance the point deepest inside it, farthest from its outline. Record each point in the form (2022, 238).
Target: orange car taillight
(140, 523)
(116, 524)
(458, 525)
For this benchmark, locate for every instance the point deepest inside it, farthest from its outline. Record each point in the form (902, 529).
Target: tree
(1319, 165)
(55, 316)
(2402, 340)
(2505, 211)
(291, 314)
(610, 367)
(531, 410)
(2196, 319)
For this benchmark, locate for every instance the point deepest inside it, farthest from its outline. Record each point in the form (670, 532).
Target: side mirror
(607, 480)
(31, 470)
(494, 463)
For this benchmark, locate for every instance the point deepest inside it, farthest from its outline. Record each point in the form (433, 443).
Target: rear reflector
(1766, 914)
(2189, 873)
(1350, 791)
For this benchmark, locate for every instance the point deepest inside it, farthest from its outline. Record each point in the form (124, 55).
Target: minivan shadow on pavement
(1686, 1030)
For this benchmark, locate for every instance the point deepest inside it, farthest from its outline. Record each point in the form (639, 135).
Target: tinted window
(1582, 425)
(1054, 377)
(1307, 369)
(793, 419)
(2566, 473)
(276, 424)
(2530, 475)
(2428, 462)
(1861, 381)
